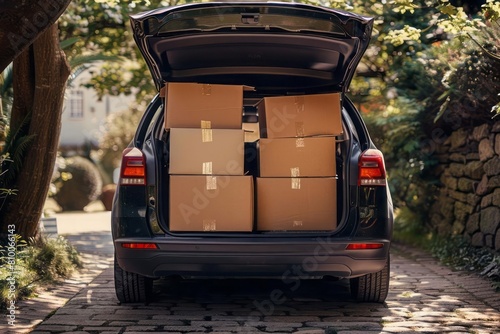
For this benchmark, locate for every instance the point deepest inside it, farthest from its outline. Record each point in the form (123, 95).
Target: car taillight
(371, 168)
(133, 169)
(139, 245)
(364, 246)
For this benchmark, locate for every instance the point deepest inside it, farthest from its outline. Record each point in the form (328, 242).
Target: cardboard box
(192, 105)
(251, 132)
(296, 204)
(300, 116)
(211, 203)
(297, 157)
(207, 151)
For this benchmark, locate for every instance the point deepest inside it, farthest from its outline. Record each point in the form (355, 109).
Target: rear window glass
(291, 19)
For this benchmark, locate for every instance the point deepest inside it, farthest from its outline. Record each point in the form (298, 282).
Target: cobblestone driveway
(424, 297)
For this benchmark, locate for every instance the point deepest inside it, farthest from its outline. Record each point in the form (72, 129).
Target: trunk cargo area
(236, 162)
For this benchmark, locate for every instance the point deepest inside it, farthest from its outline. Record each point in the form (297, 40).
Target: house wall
(84, 114)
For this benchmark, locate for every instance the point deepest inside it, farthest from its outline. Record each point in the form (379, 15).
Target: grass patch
(33, 264)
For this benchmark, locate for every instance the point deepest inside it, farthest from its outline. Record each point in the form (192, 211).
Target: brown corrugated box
(298, 157)
(193, 105)
(300, 116)
(296, 204)
(207, 151)
(211, 203)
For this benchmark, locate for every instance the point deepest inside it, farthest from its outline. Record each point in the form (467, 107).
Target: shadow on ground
(96, 243)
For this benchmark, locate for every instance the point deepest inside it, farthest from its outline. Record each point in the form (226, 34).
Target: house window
(76, 104)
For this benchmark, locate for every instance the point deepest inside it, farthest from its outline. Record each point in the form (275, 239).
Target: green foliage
(457, 253)
(120, 128)
(16, 145)
(496, 109)
(6, 96)
(410, 228)
(102, 27)
(19, 271)
(12, 155)
(78, 183)
(472, 83)
(402, 29)
(458, 78)
(398, 133)
(454, 251)
(35, 264)
(52, 258)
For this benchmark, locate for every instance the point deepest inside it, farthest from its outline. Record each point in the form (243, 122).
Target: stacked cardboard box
(208, 189)
(300, 116)
(297, 186)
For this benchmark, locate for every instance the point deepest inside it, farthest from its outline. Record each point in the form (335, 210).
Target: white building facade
(84, 115)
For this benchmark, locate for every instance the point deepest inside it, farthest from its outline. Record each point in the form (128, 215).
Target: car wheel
(372, 287)
(130, 287)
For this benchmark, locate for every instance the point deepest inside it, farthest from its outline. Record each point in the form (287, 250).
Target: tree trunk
(40, 75)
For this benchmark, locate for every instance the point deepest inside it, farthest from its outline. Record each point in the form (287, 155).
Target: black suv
(280, 50)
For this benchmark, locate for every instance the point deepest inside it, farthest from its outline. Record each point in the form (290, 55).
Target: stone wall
(468, 201)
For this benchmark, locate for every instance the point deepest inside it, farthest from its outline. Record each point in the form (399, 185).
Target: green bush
(453, 84)
(35, 264)
(398, 133)
(472, 83)
(78, 183)
(52, 258)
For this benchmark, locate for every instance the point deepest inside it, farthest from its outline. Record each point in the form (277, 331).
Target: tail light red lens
(371, 168)
(133, 169)
(364, 246)
(139, 245)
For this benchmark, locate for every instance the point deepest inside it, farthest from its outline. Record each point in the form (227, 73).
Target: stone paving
(425, 297)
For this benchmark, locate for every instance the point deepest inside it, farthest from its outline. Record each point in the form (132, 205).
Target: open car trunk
(283, 185)
(287, 173)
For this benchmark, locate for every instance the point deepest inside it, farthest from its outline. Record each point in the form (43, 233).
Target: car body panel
(240, 257)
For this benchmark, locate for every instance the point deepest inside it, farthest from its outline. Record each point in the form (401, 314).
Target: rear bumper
(312, 258)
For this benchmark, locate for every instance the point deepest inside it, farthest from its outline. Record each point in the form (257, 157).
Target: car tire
(372, 287)
(130, 287)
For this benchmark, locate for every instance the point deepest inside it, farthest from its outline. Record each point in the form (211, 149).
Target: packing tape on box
(295, 173)
(205, 124)
(299, 129)
(206, 89)
(211, 182)
(209, 225)
(295, 183)
(206, 132)
(299, 142)
(206, 135)
(207, 168)
(299, 103)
